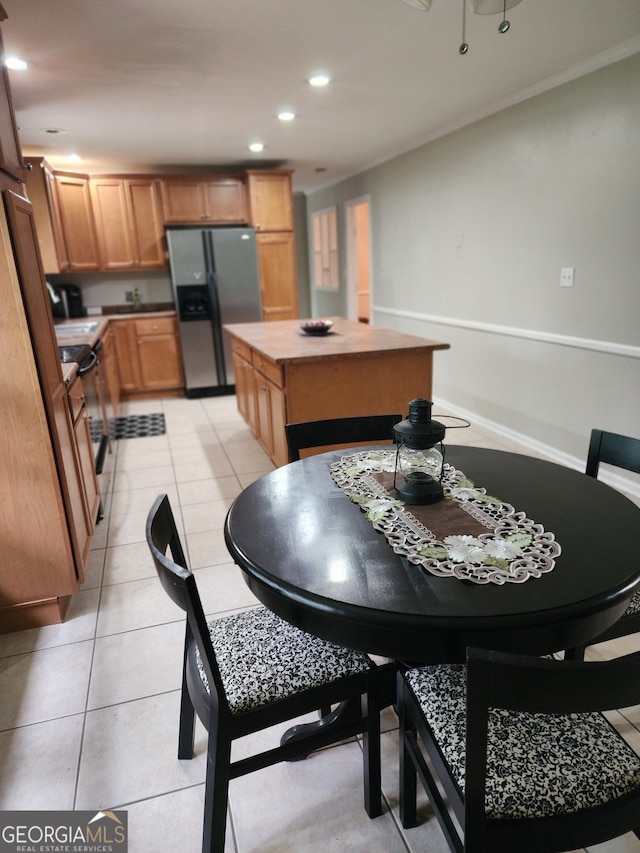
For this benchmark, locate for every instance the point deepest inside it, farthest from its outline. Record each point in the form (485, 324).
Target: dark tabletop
(310, 555)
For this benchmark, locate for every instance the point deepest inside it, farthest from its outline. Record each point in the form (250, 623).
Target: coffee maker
(66, 300)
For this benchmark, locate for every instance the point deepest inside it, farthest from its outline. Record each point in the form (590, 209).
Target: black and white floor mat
(132, 426)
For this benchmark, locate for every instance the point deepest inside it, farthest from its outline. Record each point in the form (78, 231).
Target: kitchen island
(283, 375)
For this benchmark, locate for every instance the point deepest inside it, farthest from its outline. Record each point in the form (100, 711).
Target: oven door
(89, 372)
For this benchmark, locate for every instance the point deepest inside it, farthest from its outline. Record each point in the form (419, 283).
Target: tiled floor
(89, 709)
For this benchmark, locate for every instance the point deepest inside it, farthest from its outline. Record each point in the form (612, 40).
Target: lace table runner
(468, 535)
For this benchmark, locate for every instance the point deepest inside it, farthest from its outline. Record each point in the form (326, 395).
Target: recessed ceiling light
(74, 158)
(256, 147)
(319, 80)
(15, 64)
(286, 115)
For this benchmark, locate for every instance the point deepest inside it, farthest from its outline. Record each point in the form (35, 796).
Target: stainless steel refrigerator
(214, 273)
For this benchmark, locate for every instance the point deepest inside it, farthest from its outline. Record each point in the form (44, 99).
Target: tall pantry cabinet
(39, 568)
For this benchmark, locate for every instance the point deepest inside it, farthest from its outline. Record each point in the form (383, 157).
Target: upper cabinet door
(270, 200)
(207, 200)
(73, 202)
(145, 218)
(109, 202)
(128, 223)
(10, 154)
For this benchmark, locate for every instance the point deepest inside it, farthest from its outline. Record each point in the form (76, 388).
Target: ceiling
(139, 85)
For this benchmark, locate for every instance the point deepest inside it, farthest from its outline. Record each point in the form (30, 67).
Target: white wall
(469, 234)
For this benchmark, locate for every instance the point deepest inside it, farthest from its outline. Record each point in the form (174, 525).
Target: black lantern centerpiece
(419, 464)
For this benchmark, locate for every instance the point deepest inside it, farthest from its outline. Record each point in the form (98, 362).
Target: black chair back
(180, 585)
(497, 680)
(339, 431)
(612, 449)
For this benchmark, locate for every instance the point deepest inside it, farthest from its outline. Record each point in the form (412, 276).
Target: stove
(76, 352)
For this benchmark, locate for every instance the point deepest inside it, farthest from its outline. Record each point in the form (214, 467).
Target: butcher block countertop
(284, 342)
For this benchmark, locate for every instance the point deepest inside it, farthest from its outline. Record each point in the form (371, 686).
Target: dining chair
(245, 672)
(339, 431)
(526, 759)
(623, 452)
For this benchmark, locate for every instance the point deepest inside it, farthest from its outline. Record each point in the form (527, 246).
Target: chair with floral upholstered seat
(251, 670)
(525, 757)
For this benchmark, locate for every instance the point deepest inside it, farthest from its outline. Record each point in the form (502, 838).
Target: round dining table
(310, 553)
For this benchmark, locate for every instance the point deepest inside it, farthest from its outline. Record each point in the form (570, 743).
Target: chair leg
(371, 751)
(575, 654)
(216, 796)
(408, 775)
(186, 732)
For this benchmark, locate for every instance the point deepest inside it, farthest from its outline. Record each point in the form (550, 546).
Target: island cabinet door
(271, 411)
(245, 390)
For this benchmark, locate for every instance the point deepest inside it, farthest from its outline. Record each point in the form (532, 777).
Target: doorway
(358, 260)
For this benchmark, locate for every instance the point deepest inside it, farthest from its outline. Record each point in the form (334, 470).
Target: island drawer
(268, 368)
(241, 349)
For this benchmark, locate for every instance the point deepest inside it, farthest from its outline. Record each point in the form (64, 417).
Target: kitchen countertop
(102, 321)
(284, 341)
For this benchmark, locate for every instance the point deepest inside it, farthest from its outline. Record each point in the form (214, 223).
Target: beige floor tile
(206, 549)
(136, 664)
(143, 459)
(137, 604)
(171, 823)
(127, 448)
(39, 765)
(201, 517)
(222, 589)
(255, 462)
(208, 490)
(141, 499)
(125, 529)
(130, 562)
(45, 684)
(316, 804)
(156, 475)
(129, 753)
(186, 472)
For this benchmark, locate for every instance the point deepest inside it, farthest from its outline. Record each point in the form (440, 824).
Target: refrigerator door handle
(214, 299)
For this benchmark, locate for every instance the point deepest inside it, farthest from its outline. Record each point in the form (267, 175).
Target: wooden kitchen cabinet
(278, 277)
(215, 200)
(128, 218)
(42, 559)
(271, 214)
(270, 200)
(159, 354)
(78, 464)
(73, 222)
(271, 415)
(148, 352)
(261, 399)
(10, 155)
(245, 385)
(358, 370)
